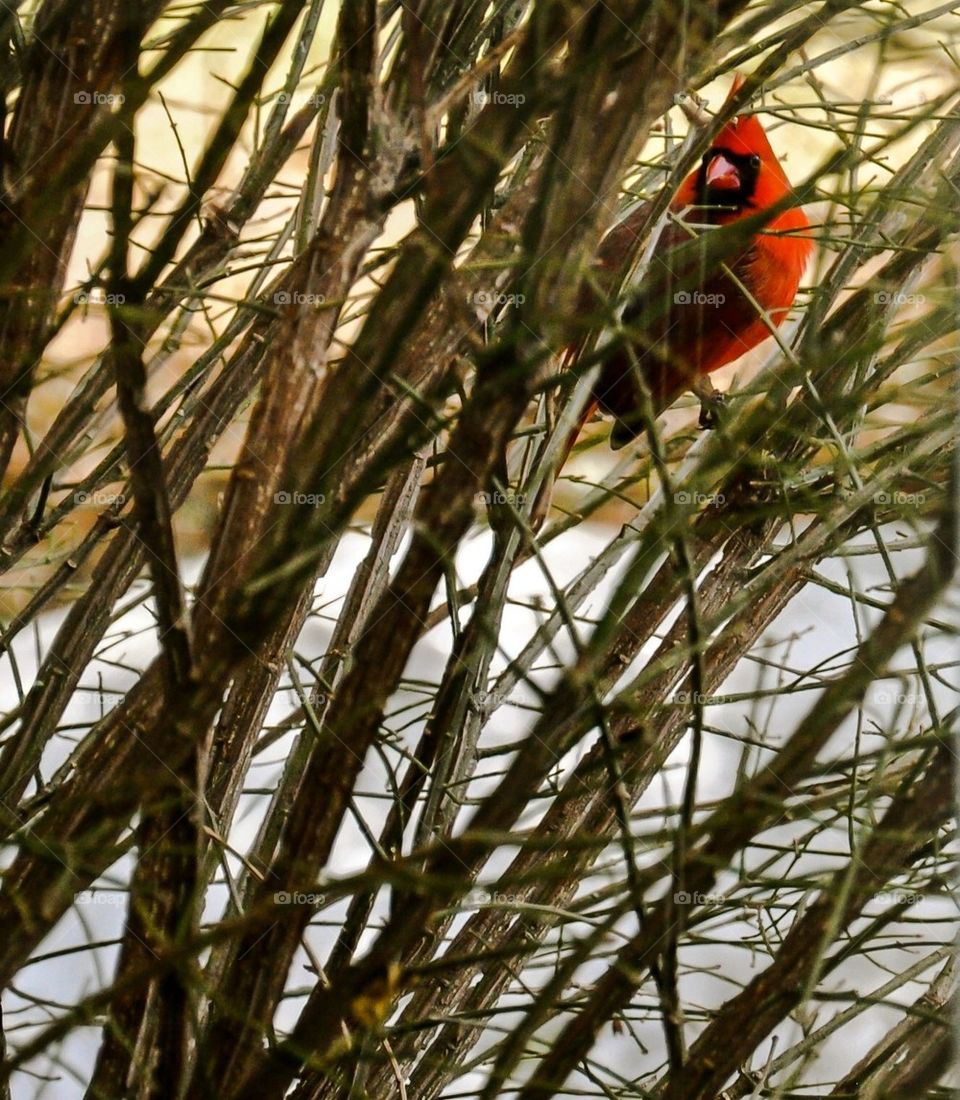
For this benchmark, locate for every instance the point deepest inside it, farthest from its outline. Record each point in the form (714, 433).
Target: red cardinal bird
(690, 316)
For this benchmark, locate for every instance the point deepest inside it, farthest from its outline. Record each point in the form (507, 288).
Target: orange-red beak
(722, 175)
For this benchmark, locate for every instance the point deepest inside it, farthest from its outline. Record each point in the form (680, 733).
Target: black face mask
(747, 166)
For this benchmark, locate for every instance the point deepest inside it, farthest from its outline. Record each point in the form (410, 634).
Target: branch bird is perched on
(695, 312)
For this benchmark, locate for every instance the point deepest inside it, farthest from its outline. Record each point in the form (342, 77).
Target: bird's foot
(711, 403)
(710, 412)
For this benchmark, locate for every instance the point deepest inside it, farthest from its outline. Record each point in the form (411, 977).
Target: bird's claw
(710, 406)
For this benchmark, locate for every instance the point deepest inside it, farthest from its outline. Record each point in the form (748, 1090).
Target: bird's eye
(754, 161)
